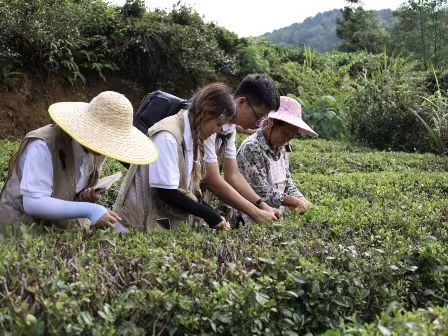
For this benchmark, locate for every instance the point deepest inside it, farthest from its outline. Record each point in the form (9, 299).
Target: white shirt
(164, 172)
(212, 144)
(36, 167)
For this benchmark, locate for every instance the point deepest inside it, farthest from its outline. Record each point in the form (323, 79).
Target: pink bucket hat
(290, 112)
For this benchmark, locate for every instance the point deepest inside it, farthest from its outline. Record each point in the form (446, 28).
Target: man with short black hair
(255, 97)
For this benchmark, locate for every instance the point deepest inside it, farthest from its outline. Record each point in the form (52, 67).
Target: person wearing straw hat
(51, 176)
(263, 162)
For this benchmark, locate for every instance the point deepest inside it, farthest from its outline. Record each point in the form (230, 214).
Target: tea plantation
(370, 258)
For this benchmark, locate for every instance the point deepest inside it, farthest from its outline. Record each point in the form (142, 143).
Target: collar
(264, 145)
(188, 138)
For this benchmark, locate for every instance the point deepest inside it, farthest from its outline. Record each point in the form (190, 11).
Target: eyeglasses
(258, 118)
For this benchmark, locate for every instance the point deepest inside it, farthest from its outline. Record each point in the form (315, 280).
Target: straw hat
(105, 126)
(290, 112)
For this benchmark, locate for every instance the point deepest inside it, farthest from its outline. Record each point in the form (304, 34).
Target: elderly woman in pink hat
(262, 159)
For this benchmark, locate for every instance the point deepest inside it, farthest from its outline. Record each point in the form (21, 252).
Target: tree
(360, 29)
(133, 8)
(421, 31)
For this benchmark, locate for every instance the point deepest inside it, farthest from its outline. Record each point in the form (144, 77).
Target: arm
(181, 201)
(223, 190)
(248, 131)
(56, 209)
(36, 187)
(234, 177)
(226, 193)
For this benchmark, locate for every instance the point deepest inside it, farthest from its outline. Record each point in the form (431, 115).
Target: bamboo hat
(105, 126)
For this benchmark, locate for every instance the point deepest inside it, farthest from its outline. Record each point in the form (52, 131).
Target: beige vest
(137, 203)
(64, 178)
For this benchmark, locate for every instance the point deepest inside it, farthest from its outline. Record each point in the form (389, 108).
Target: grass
(370, 258)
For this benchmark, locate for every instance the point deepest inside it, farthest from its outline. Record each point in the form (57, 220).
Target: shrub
(432, 321)
(376, 237)
(380, 112)
(325, 116)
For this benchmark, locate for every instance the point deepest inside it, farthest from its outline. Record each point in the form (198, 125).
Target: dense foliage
(78, 39)
(360, 30)
(375, 241)
(371, 256)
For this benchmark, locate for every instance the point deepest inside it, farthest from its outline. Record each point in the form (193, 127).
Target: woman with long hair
(165, 193)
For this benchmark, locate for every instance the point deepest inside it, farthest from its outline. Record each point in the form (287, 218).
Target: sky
(255, 17)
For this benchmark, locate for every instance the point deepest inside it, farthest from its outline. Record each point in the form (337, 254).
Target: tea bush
(373, 245)
(421, 322)
(8, 148)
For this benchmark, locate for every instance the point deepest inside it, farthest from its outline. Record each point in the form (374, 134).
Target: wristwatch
(257, 203)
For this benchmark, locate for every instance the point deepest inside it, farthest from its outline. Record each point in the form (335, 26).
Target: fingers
(93, 195)
(88, 195)
(265, 216)
(82, 195)
(224, 225)
(278, 214)
(114, 215)
(272, 216)
(108, 220)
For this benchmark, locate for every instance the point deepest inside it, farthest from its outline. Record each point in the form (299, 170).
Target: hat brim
(298, 122)
(132, 147)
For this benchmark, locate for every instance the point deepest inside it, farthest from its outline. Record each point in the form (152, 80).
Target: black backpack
(154, 107)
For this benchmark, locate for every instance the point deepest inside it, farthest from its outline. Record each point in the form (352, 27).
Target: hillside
(319, 32)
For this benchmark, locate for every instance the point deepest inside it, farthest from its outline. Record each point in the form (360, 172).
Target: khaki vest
(137, 203)
(64, 178)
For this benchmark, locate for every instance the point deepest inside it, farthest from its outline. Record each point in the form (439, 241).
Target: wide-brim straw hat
(105, 126)
(290, 111)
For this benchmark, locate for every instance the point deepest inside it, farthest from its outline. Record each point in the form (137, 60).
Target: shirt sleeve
(252, 166)
(164, 172)
(290, 188)
(210, 149)
(230, 152)
(36, 168)
(180, 200)
(56, 209)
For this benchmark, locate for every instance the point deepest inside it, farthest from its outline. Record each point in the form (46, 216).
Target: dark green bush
(375, 238)
(430, 322)
(175, 51)
(380, 112)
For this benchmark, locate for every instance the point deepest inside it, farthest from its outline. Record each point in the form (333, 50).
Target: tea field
(370, 258)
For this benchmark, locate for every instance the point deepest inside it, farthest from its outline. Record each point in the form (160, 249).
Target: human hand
(224, 225)
(302, 205)
(88, 195)
(108, 220)
(278, 214)
(263, 216)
